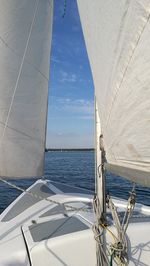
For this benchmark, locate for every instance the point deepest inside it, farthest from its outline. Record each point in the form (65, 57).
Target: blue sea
(75, 168)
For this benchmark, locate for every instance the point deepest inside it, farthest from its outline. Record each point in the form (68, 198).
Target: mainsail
(25, 42)
(117, 36)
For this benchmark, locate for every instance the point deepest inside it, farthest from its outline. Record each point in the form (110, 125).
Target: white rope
(102, 257)
(129, 210)
(20, 71)
(119, 247)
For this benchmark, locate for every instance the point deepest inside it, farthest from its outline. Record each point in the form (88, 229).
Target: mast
(99, 167)
(117, 40)
(100, 191)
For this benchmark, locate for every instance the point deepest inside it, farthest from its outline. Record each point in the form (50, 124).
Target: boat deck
(36, 230)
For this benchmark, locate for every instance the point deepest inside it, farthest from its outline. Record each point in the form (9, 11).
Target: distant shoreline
(61, 150)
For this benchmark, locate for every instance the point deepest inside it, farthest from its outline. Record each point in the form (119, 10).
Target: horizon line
(68, 149)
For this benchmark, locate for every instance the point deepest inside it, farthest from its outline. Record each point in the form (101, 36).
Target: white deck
(37, 232)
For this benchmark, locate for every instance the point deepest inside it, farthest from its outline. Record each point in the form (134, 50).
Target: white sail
(117, 36)
(25, 41)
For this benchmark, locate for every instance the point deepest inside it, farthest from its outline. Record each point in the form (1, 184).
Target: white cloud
(54, 59)
(69, 140)
(79, 107)
(67, 77)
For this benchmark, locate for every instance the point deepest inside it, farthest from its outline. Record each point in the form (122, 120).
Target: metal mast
(100, 194)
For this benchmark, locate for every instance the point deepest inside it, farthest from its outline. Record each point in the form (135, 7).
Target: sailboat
(56, 224)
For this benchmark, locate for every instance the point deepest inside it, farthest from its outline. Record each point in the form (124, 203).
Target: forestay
(117, 36)
(25, 41)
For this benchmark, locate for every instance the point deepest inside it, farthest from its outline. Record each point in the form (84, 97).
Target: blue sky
(71, 93)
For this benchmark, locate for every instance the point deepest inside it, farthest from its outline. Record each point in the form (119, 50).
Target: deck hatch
(56, 210)
(27, 201)
(56, 228)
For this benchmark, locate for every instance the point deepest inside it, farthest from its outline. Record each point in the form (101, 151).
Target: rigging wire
(72, 186)
(84, 208)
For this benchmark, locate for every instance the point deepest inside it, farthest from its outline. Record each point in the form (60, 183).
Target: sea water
(75, 168)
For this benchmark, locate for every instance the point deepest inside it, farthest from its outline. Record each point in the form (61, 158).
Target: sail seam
(20, 71)
(20, 132)
(115, 61)
(127, 66)
(17, 54)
